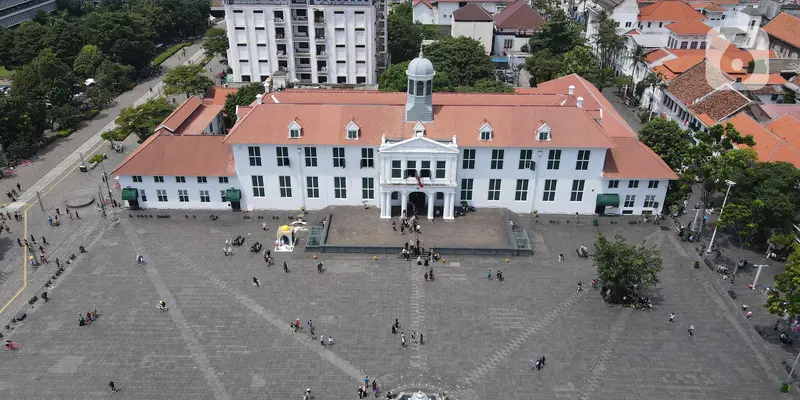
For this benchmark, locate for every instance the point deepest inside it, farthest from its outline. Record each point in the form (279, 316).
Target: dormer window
(419, 129)
(485, 131)
(543, 132)
(352, 131)
(295, 130)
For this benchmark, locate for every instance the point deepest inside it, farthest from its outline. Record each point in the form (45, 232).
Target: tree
(65, 117)
(142, 120)
(394, 79)
(28, 43)
(46, 77)
(216, 43)
(559, 35)
(246, 95)
(113, 76)
(6, 46)
(784, 299)
(87, 61)
(768, 189)
(604, 78)
(543, 66)
(405, 36)
(581, 61)
(462, 59)
(624, 267)
(608, 43)
(99, 97)
(63, 38)
(622, 82)
(741, 221)
(638, 59)
(669, 141)
(486, 86)
(137, 53)
(788, 98)
(187, 79)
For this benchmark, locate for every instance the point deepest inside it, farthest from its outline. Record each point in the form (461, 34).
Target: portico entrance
(417, 204)
(395, 200)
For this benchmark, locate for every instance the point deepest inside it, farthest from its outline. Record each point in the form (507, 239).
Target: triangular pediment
(352, 126)
(295, 125)
(419, 145)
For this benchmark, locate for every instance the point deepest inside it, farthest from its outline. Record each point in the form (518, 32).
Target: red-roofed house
(784, 35)
(440, 12)
(559, 148)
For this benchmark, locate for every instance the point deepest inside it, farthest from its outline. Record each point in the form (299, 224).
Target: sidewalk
(61, 154)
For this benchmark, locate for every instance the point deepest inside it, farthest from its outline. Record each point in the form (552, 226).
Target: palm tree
(609, 43)
(604, 79)
(637, 57)
(654, 81)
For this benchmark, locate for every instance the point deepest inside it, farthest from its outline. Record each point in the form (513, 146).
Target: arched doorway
(417, 204)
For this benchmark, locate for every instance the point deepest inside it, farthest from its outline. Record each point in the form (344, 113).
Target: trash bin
(83, 168)
(785, 387)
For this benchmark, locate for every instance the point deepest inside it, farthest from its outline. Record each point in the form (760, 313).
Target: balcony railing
(280, 38)
(319, 21)
(302, 51)
(303, 35)
(304, 67)
(319, 38)
(300, 19)
(279, 20)
(322, 54)
(322, 69)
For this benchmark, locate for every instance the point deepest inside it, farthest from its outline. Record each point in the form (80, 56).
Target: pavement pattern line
(283, 326)
(716, 297)
(195, 348)
(605, 357)
(430, 381)
(419, 358)
(512, 346)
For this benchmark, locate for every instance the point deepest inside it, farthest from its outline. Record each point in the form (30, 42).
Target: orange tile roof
(769, 146)
(191, 117)
(699, 6)
(690, 27)
(219, 94)
(715, 8)
(633, 32)
(191, 155)
(785, 27)
(632, 159)
(683, 63)
(762, 79)
(656, 55)
(669, 10)
(778, 110)
(787, 128)
(367, 97)
(181, 114)
(426, 2)
(713, 98)
(719, 105)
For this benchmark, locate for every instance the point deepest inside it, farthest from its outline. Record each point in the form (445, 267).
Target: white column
(384, 205)
(431, 198)
(449, 198)
(403, 204)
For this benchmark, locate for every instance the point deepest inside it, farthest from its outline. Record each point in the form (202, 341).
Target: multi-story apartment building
(312, 41)
(557, 148)
(15, 12)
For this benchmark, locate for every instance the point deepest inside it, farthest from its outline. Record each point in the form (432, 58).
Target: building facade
(545, 150)
(15, 12)
(440, 12)
(312, 41)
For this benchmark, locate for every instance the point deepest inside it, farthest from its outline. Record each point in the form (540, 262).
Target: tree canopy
(187, 79)
(244, 96)
(623, 267)
(559, 35)
(785, 296)
(143, 119)
(216, 43)
(405, 36)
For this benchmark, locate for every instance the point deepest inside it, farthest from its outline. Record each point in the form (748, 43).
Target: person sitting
(162, 305)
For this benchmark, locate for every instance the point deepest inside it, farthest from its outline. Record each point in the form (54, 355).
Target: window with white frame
(223, 179)
(630, 199)
(543, 133)
(613, 184)
(367, 188)
(367, 158)
(282, 156)
(577, 190)
(143, 195)
(466, 189)
(553, 159)
(425, 169)
(158, 179)
(311, 156)
(485, 132)
(526, 159)
(223, 196)
(411, 169)
(549, 190)
(583, 160)
(497, 159)
(202, 179)
(521, 194)
(441, 169)
(494, 189)
(652, 184)
(285, 185)
(469, 159)
(650, 201)
(204, 196)
(162, 195)
(397, 168)
(295, 131)
(183, 196)
(352, 131)
(137, 179)
(340, 187)
(180, 179)
(254, 154)
(633, 184)
(338, 157)
(312, 187)
(258, 185)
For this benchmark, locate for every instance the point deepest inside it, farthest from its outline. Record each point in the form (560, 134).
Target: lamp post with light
(722, 210)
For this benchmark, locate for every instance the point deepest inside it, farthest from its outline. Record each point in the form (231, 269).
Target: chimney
(571, 90)
(259, 98)
(599, 119)
(580, 102)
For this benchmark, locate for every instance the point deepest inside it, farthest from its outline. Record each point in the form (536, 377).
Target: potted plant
(366, 206)
(535, 213)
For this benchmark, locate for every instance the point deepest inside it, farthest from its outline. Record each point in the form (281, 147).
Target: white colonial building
(558, 148)
(310, 41)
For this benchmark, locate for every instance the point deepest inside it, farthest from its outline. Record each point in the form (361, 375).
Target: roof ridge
(623, 122)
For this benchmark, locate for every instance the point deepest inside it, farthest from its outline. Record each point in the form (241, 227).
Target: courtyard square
(224, 338)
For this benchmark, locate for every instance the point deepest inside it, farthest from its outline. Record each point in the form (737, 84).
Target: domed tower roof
(420, 66)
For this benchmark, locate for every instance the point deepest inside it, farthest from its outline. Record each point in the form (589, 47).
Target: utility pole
(102, 202)
(756, 278)
(105, 179)
(789, 378)
(39, 197)
(721, 210)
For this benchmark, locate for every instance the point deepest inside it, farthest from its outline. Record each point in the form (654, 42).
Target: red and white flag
(419, 180)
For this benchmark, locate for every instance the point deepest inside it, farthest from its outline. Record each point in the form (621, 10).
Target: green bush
(114, 135)
(97, 158)
(169, 52)
(91, 114)
(65, 133)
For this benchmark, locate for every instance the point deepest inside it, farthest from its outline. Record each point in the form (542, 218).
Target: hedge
(91, 114)
(169, 52)
(114, 135)
(65, 133)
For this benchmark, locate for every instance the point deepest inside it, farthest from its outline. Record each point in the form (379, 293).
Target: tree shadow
(6, 243)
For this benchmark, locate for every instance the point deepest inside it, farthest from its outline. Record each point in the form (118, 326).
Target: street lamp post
(757, 272)
(722, 210)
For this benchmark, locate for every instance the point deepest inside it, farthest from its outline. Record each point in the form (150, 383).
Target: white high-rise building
(311, 41)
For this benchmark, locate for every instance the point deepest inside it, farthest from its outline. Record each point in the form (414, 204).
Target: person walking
(44, 240)
(19, 242)
(561, 257)
(33, 240)
(256, 282)
(578, 290)
(403, 340)
(330, 340)
(19, 187)
(285, 267)
(76, 215)
(421, 338)
(58, 212)
(671, 317)
(113, 387)
(489, 275)
(394, 226)
(691, 330)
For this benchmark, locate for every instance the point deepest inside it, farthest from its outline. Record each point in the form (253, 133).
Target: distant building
(784, 35)
(15, 12)
(502, 34)
(474, 22)
(440, 12)
(312, 41)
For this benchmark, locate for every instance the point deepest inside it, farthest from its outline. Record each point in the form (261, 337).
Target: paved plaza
(223, 338)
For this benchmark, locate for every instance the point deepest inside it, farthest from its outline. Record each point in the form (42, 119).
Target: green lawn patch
(65, 133)
(4, 73)
(169, 52)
